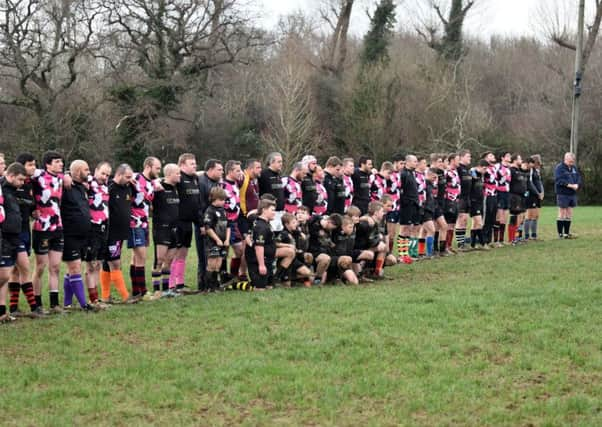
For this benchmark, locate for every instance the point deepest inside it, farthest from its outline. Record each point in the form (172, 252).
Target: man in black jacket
(335, 188)
(308, 185)
(361, 184)
(214, 171)
(75, 212)
(10, 219)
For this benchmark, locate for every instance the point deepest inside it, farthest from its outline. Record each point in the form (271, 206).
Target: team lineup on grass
(343, 222)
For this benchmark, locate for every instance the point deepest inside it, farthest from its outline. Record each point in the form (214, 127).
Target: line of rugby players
(315, 225)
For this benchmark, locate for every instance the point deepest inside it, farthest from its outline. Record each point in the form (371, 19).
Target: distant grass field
(508, 337)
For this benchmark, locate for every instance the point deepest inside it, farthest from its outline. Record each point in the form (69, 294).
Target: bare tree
(41, 44)
(337, 15)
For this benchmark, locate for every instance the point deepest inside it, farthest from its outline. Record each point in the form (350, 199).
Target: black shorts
(9, 247)
(96, 244)
(235, 234)
(258, 280)
(25, 245)
(533, 202)
(503, 200)
(112, 250)
(426, 217)
(451, 211)
(355, 254)
(409, 214)
(74, 247)
(165, 236)
(517, 204)
(564, 201)
(214, 251)
(463, 205)
(184, 231)
(476, 208)
(45, 241)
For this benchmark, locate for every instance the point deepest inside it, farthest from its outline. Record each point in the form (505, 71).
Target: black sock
(54, 298)
(559, 226)
(215, 279)
(436, 239)
(442, 245)
(473, 238)
(2, 310)
(481, 237)
(567, 227)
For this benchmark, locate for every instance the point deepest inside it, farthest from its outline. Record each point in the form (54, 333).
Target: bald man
(75, 211)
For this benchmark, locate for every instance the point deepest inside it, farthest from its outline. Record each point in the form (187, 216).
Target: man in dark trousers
(270, 182)
(567, 181)
(212, 177)
(361, 184)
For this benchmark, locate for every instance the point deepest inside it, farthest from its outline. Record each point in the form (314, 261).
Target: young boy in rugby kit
(217, 237)
(261, 251)
(21, 275)
(368, 236)
(321, 244)
(289, 236)
(344, 253)
(166, 215)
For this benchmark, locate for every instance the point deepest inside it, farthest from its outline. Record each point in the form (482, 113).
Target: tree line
(123, 79)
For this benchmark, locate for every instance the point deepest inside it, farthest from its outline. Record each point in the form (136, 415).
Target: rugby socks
(421, 247)
(165, 285)
(379, 264)
(138, 277)
(27, 289)
(512, 229)
(2, 310)
(176, 278)
(430, 240)
(496, 232)
(68, 291)
(534, 228)
(527, 228)
(54, 298)
(105, 284)
(234, 266)
(93, 295)
(77, 286)
(413, 249)
(116, 276)
(461, 237)
(449, 239)
(14, 288)
(502, 231)
(442, 246)
(390, 245)
(38, 300)
(567, 226)
(436, 239)
(473, 238)
(134, 281)
(403, 246)
(156, 277)
(245, 285)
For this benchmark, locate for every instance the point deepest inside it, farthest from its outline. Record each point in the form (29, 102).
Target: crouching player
(288, 238)
(321, 244)
(344, 253)
(368, 237)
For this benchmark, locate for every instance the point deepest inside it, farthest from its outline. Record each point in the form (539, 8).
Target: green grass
(509, 337)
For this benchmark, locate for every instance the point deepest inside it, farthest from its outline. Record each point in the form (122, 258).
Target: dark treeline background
(122, 79)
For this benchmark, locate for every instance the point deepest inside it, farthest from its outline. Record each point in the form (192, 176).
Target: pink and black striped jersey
(504, 177)
(2, 212)
(48, 192)
(293, 196)
(394, 188)
(321, 205)
(348, 183)
(378, 187)
(490, 181)
(452, 185)
(98, 199)
(144, 193)
(421, 181)
(232, 205)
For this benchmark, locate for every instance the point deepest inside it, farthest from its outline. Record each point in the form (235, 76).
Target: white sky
(492, 17)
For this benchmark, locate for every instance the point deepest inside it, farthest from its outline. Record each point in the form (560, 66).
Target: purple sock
(68, 289)
(78, 289)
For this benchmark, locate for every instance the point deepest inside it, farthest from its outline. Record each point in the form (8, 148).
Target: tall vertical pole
(578, 80)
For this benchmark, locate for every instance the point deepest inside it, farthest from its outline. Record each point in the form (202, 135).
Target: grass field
(508, 337)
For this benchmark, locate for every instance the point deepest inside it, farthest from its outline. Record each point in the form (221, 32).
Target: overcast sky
(501, 17)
